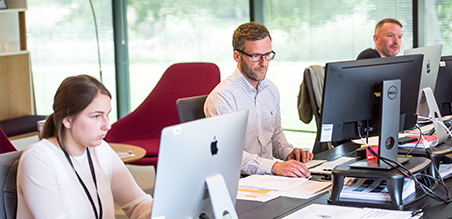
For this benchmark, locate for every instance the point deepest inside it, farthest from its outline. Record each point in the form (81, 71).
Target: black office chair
(191, 108)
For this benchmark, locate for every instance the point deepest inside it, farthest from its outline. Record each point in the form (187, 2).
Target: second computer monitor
(430, 66)
(443, 89)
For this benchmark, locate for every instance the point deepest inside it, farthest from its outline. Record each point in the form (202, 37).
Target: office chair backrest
(314, 79)
(8, 175)
(143, 126)
(314, 76)
(191, 108)
(158, 110)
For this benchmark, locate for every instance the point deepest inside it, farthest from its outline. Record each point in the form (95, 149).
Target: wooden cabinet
(16, 87)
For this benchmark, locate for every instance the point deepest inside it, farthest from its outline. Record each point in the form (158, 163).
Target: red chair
(5, 144)
(143, 126)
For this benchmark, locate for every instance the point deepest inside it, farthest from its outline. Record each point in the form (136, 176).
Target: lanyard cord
(93, 174)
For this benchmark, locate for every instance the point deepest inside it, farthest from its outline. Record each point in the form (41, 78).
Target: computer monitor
(371, 97)
(430, 67)
(443, 89)
(198, 167)
(351, 95)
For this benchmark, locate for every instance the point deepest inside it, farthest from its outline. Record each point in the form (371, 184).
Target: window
(313, 32)
(436, 25)
(61, 39)
(162, 33)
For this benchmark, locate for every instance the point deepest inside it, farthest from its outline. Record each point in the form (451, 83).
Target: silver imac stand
(222, 205)
(428, 105)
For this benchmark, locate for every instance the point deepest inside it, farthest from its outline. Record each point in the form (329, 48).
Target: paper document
(445, 170)
(428, 127)
(370, 141)
(261, 195)
(269, 182)
(308, 190)
(312, 163)
(263, 188)
(317, 211)
(372, 189)
(327, 167)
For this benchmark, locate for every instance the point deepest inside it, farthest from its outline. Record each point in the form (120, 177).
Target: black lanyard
(93, 174)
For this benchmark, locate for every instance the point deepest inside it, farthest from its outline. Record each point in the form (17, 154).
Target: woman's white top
(47, 186)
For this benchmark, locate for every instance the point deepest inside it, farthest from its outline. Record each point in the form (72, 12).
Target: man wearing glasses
(247, 88)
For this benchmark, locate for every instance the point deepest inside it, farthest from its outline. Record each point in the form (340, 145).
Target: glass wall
(61, 37)
(315, 32)
(436, 26)
(62, 41)
(162, 33)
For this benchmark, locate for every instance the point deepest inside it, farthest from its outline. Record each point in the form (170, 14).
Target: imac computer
(198, 168)
(352, 100)
(443, 89)
(427, 108)
(430, 67)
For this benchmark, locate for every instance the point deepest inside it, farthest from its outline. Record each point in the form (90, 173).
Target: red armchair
(5, 144)
(143, 126)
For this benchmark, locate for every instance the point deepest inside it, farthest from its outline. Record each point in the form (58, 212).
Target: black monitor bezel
(344, 110)
(443, 88)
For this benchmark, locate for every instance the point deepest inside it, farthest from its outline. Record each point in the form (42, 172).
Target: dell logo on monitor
(392, 92)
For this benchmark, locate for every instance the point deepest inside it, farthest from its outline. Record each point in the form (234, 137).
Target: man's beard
(251, 73)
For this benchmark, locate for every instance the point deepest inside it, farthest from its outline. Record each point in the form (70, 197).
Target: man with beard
(387, 38)
(247, 88)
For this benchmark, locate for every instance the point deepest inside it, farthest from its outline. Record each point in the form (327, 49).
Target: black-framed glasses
(258, 57)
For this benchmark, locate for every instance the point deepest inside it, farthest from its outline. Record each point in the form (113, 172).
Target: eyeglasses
(258, 57)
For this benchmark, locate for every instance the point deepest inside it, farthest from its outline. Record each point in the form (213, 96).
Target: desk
(137, 151)
(283, 206)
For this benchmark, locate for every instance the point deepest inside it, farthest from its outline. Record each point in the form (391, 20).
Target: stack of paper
(342, 212)
(372, 189)
(266, 187)
(445, 170)
(308, 190)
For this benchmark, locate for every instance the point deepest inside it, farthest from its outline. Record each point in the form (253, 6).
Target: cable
(418, 141)
(97, 39)
(433, 129)
(404, 171)
(424, 119)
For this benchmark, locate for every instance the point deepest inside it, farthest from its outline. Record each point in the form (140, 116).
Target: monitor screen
(351, 95)
(189, 154)
(443, 89)
(430, 66)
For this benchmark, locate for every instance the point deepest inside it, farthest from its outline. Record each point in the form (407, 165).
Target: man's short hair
(387, 20)
(251, 31)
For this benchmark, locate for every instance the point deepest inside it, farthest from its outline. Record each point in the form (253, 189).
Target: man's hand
(300, 155)
(291, 168)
